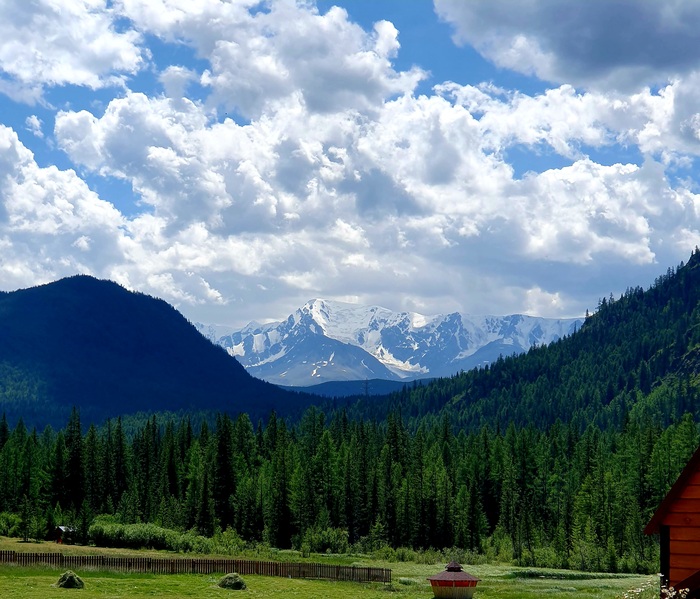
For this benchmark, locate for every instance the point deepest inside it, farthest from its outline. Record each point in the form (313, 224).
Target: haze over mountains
(327, 341)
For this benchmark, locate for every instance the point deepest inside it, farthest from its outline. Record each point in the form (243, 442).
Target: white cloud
(47, 217)
(540, 301)
(48, 43)
(34, 124)
(305, 200)
(152, 143)
(621, 44)
(259, 58)
(340, 182)
(175, 80)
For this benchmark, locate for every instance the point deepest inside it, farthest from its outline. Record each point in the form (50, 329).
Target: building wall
(450, 592)
(683, 521)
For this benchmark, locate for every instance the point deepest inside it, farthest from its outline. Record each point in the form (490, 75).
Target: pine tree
(170, 472)
(4, 431)
(121, 462)
(248, 503)
(278, 521)
(325, 473)
(57, 485)
(195, 474)
(244, 442)
(108, 475)
(93, 471)
(224, 475)
(303, 496)
(205, 519)
(146, 469)
(75, 484)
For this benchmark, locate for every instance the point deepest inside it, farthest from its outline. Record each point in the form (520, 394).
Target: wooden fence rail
(197, 566)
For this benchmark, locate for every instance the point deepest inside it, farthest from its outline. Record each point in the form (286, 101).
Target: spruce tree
(224, 474)
(75, 483)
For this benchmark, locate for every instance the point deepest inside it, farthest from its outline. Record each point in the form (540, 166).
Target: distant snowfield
(335, 341)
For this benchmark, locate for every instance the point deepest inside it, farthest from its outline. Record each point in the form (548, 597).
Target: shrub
(403, 554)
(547, 557)
(107, 533)
(10, 524)
(323, 540)
(385, 553)
(229, 542)
(430, 556)
(464, 556)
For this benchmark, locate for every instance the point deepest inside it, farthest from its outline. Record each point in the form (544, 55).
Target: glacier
(328, 340)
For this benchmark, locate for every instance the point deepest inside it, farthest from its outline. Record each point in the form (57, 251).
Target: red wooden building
(677, 522)
(453, 583)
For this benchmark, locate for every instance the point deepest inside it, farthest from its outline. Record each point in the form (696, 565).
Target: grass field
(409, 582)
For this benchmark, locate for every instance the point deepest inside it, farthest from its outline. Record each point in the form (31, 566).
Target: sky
(238, 158)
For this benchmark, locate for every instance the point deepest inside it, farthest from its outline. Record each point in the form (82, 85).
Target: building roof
(454, 571)
(691, 468)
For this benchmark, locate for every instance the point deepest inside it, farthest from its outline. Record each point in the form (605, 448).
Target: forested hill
(93, 344)
(636, 356)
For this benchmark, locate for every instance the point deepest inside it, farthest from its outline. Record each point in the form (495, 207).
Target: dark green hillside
(90, 343)
(638, 356)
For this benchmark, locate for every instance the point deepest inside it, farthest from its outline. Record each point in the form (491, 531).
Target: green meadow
(409, 581)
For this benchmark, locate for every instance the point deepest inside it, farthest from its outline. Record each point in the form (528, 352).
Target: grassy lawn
(409, 582)
(502, 581)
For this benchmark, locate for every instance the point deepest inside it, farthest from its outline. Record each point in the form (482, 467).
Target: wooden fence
(197, 566)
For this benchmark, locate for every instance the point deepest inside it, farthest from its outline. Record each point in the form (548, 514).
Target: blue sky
(239, 158)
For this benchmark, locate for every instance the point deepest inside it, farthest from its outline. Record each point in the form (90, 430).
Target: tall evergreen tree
(224, 474)
(4, 431)
(74, 480)
(93, 476)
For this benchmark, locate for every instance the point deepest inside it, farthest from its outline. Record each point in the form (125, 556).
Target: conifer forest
(558, 497)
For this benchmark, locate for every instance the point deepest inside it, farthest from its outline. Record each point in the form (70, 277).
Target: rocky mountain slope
(331, 341)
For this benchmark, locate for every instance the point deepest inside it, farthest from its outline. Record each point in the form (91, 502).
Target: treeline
(601, 374)
(560, 497)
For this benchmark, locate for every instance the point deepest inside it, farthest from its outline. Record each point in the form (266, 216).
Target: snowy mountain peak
(329, 340)
(340, 320)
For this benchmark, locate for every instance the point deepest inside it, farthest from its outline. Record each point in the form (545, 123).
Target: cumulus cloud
(332, 177)
(34, 124)
(176, 79)
(338, 203)
(621, 44)
(48, 218)
(48, 43)
(261, 57)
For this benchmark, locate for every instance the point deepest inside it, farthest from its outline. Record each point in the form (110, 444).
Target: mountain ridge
(319, 342)
(635, 360)
(90, 343)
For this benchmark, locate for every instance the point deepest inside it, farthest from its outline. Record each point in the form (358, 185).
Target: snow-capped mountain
(327, 340)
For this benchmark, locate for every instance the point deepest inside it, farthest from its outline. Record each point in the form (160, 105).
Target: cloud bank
(621, 44)
(290, 157)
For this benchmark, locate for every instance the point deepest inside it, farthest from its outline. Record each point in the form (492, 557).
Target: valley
(554, 458)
